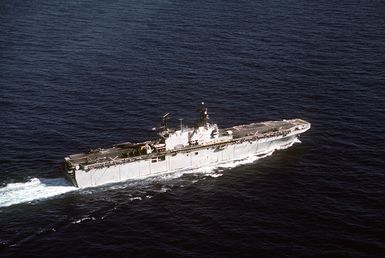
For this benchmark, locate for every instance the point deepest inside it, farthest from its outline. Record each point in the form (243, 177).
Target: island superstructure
(179, 149)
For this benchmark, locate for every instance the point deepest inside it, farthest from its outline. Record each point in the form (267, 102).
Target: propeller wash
(179, 149)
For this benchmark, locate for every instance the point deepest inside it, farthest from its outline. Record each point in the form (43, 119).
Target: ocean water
(76, 75)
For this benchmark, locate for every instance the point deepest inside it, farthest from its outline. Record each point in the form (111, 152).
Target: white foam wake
(34, 189)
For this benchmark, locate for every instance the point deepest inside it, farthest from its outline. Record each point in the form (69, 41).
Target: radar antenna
(163, 129)
(165, 119)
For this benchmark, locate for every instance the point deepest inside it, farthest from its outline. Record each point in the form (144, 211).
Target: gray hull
(180, 160)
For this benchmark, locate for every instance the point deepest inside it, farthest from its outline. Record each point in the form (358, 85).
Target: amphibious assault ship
(179, 149)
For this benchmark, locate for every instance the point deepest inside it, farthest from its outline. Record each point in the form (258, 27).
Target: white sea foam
(136, 198)
(77, 221)
(34, 189)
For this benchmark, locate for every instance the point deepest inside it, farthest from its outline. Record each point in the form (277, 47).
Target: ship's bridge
(202, 133)
(192, 136)
(178, 139)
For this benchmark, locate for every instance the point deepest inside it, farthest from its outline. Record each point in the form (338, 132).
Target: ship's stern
(69, 172)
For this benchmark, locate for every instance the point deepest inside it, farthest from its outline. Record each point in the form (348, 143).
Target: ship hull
(180, 160)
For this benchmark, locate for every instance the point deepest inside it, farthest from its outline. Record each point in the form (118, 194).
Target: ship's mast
(181, 124)
(165, 119)
(203, 115)
(163, 129)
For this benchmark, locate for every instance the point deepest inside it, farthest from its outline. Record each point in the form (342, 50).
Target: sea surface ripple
(76, 75)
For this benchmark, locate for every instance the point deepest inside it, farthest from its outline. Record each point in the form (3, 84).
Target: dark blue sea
(78, 75)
